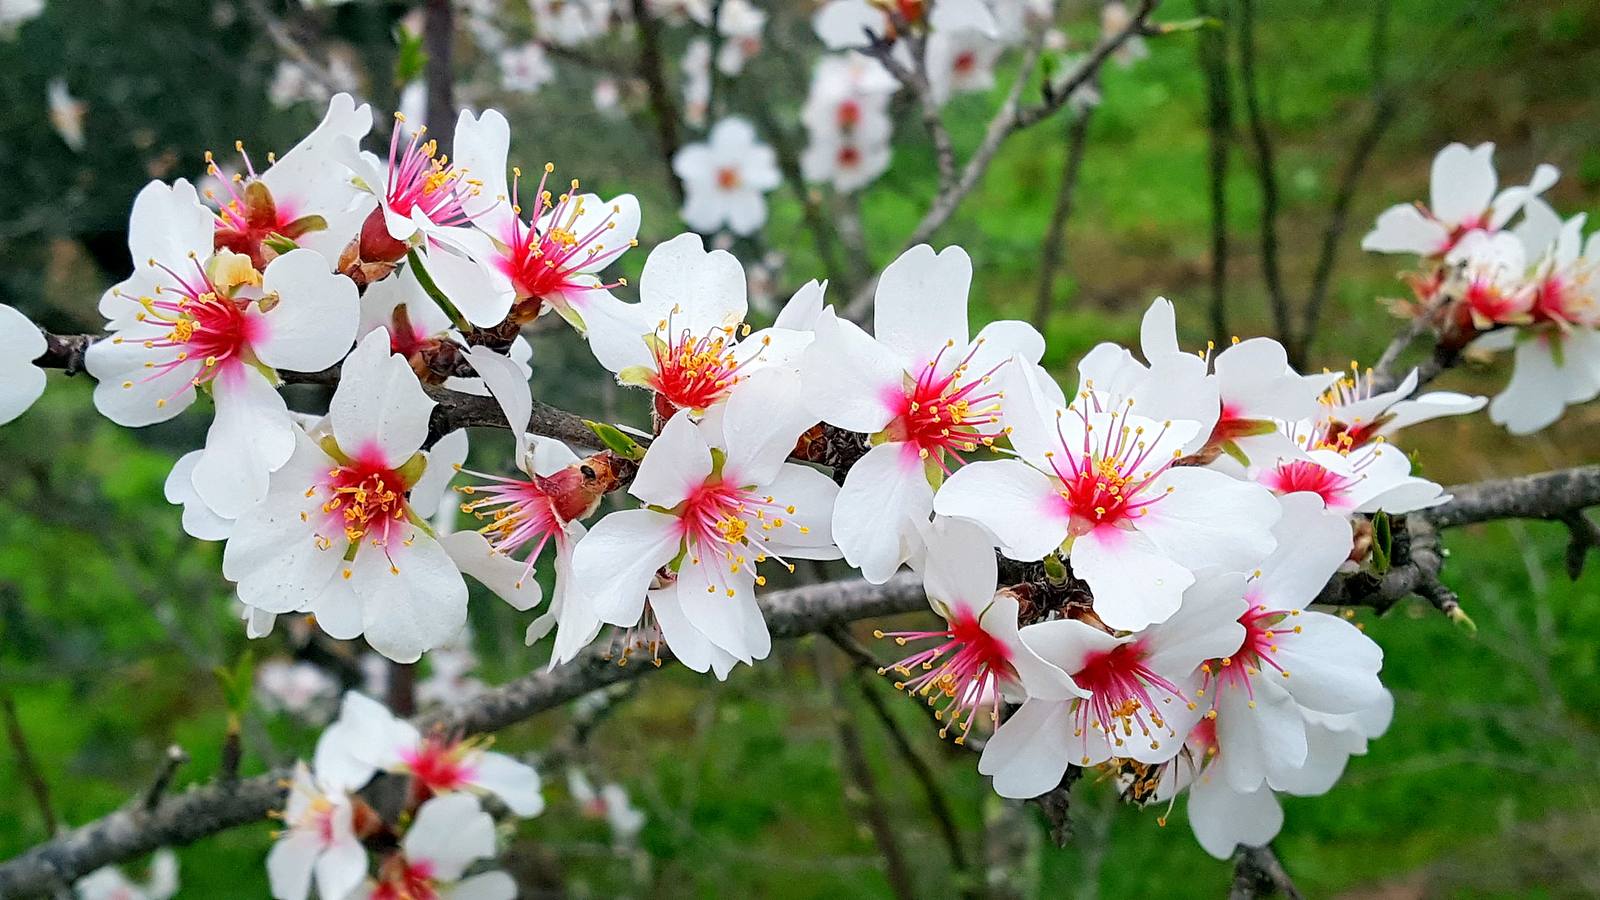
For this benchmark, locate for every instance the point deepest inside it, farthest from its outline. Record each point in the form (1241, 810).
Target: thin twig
(1213, 52)
(1055, 238)
(1266, 174)
(28, 765)
(283, 38)
(862, 786)
(173, 760)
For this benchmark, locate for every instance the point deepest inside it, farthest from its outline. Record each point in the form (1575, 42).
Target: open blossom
(978, 656)
(1141, 688)
(846, 116)
(726, 179)
(525, 68)
(1350, 479)
(1291, 659)
(685, 339)
(188, 320)
(1557, 356)
(305, 195)
(961, 62)
(109, 883)
(925, 392)
(548, 261)
(447, 836)
(318, 840)
(21, 382)
(1355, 414)
(610, 802)
(1492, 281)
(720, 500)
(1464, 200)
(1099, 485)
(855, 24)
(368, 739)
(740, 23)
(338, 534)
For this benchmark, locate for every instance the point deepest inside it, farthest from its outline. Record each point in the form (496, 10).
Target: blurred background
(112, 621)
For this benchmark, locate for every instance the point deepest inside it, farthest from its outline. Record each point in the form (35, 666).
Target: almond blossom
(1291, 659)
(960, 62)
(685, 339)
(318, 841)
(338, 535)
(1464, 200)
(21, 382)
(1141, 690)
(726, 179)
(924, 391)
(367, 739)
(1099, 485)
(304, 196)
(447, 836)
(979, 655)
(719, 500)
(525, 68)
(109, 883)
(846, 116)
(856, 24)
(740, 23)
(190, 320)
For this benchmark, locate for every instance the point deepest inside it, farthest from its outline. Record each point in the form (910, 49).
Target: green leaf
(279, 244)
(1233, 450)
(237, 682)
(411, 58)
(1382, 542)
(614, 440)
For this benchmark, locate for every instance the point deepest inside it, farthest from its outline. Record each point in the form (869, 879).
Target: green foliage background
(1487, 784)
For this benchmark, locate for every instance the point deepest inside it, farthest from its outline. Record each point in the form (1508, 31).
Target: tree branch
(1547, 495)
(1258, 873)
(27, 765)
(1266, 174)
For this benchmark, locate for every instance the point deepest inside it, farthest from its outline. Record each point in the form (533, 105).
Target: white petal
(1223, 818)
(198, 519)
(443, 459)
(921, 303)
(1017, 503)
(1404, 229)
(313, 322)
(251, 437)
(1332, 666)
(290, 863)
(763, 419)
(343, 865)
(1463, 182)
(273, 554)
(20, 383)
(379, 411)
(883, 498)
(960, 570)
(471, 282)
(515, 783)
(1259, 734)
(676, 464)
(613, 564)
(1133, 585)
(1312, 544)
(451, 832)
(484, 886)
(1209, 519)
(508, 578)
(722, 606)
(168, 224)
(412, 597)
(849, 379)
(700, 290)
(1158, 330)
(1029, 753)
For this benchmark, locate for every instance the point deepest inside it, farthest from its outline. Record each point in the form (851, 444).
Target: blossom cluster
(1500, 269)
(1165, 527)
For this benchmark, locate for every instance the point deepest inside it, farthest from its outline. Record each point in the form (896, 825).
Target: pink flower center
(1304, 475)
(849, 114)
(1125, 695)
(849, 157)
(1103, 481)
(950, 413)
(694, 371)
(202, 323)
(965, 63)
(547, 257)
(726, 529)
(520, 513)
(366, 501)
(966, 670)
(728, 178)
(1263, 628)
(439, 764)
(401, 879)
(420, 180)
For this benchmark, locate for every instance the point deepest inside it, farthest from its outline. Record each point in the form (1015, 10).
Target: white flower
(188, 319)
(726, 179)
(686, 339)
(337, 534)
(1114, 19)
(1141, 691)
(548, 261)
(66, 114)
(720, 499)
(21, 382)
(855, 24)
(740, 23)
(1372, 477)
(305, 195)
(318, 840)
(1354, 415)
(448, 835)
(960, 62)
(846, 115)
(1557, 357)
(368, 739)
(1291, 659)
(1463, 200)
(979, 655)
(109, 883)
(295, 686)
(1100, 485)
(525, 68)
(568, 23)
(927, 393)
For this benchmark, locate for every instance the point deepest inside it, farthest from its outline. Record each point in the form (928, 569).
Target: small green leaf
(614, 440)
(1233, 450)
(1460, 617)
(237, 682)
(279, 244)
(411, 58)
(1382, 542)
(1054, 569)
